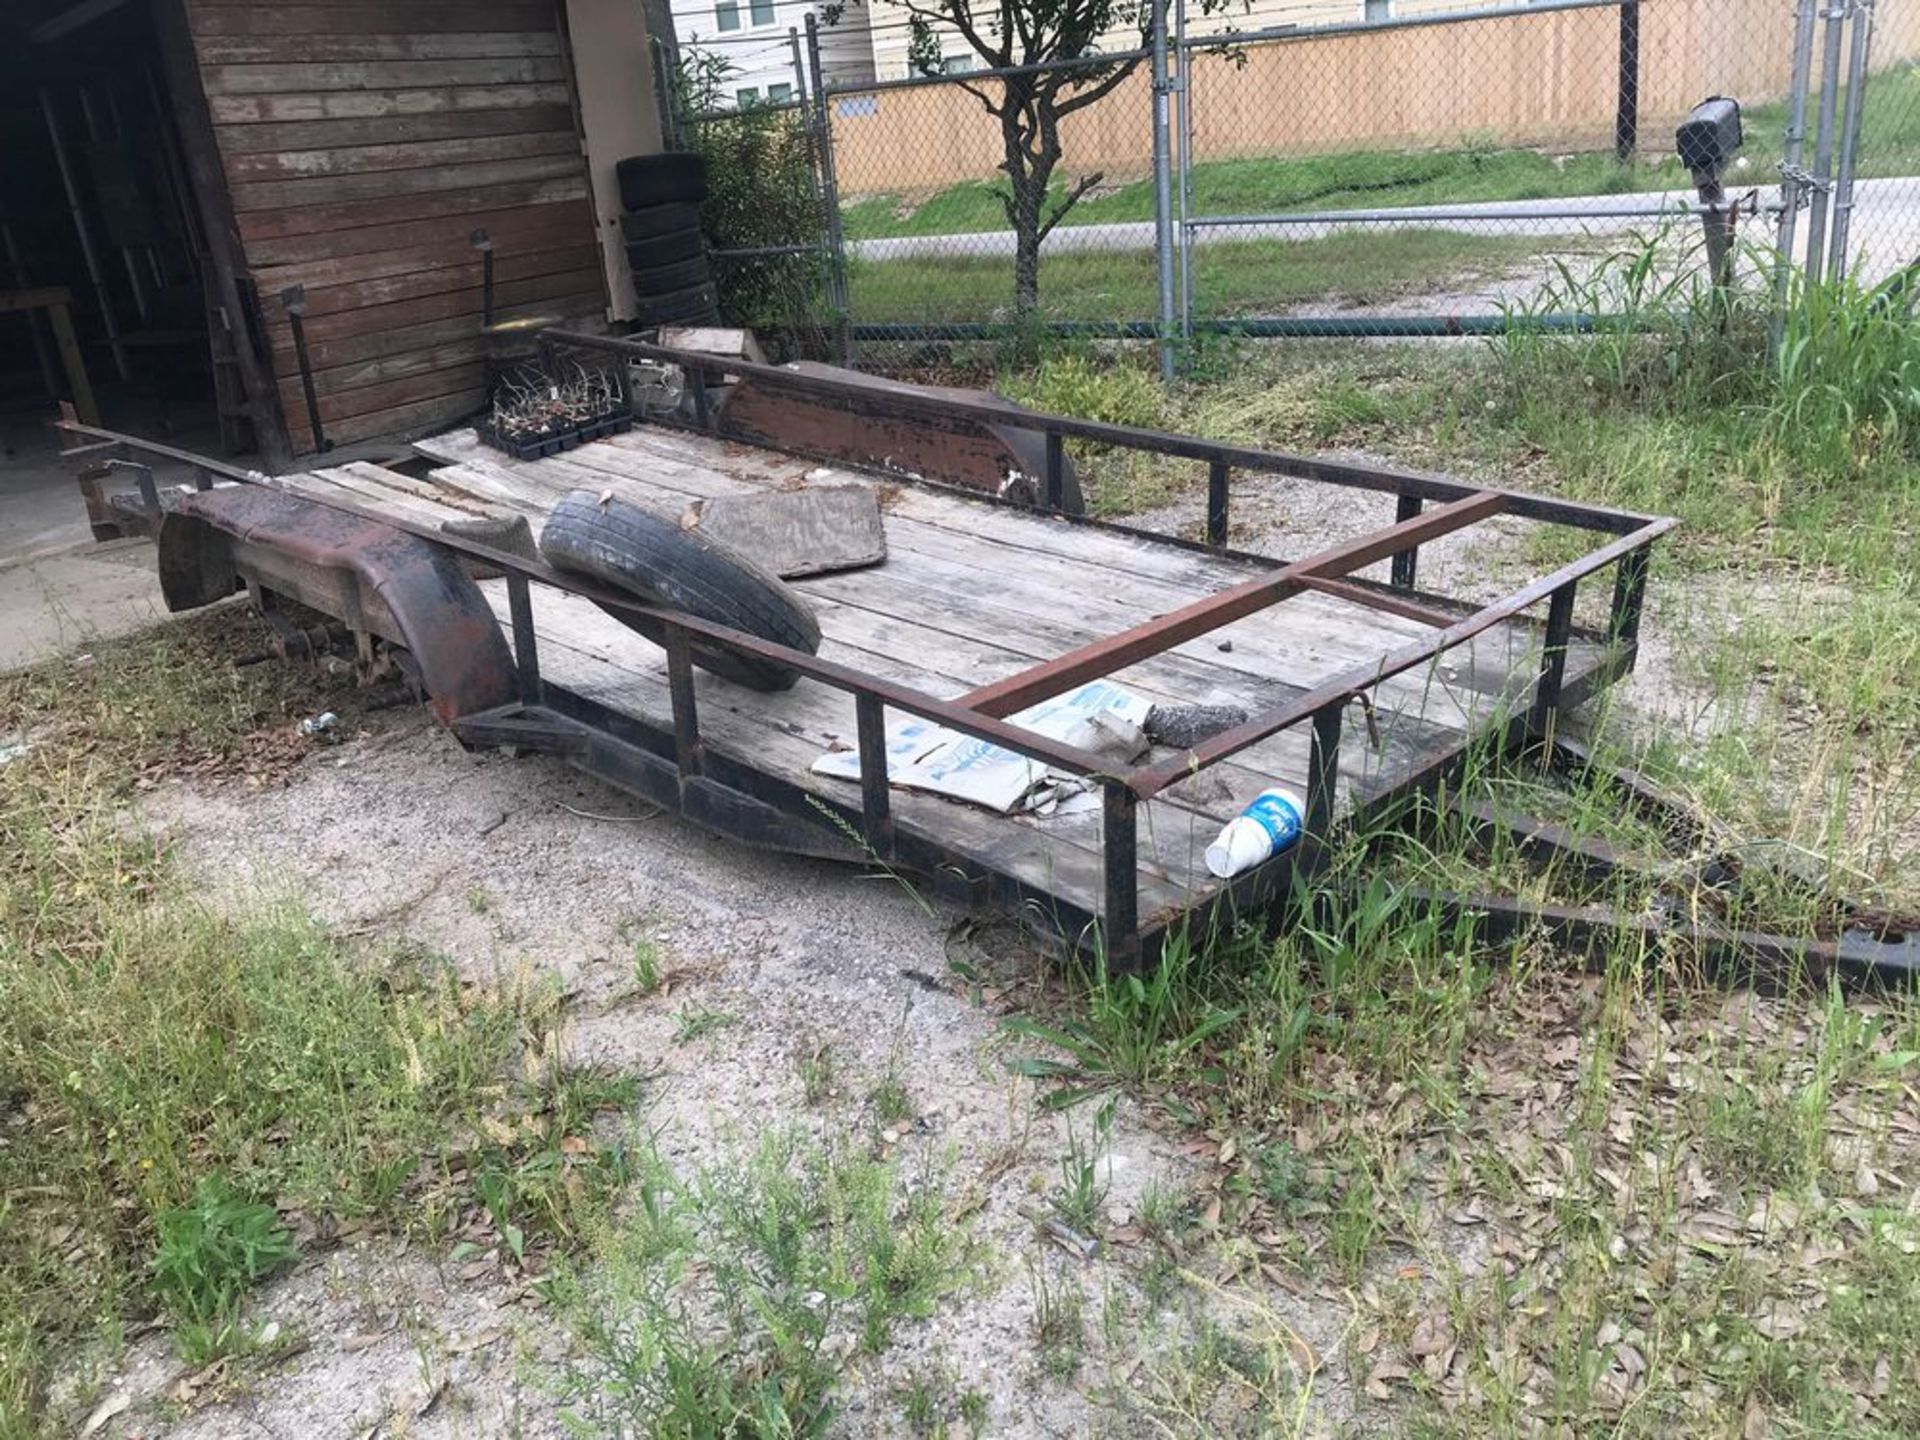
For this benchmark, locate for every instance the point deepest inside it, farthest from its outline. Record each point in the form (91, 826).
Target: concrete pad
(56, 603)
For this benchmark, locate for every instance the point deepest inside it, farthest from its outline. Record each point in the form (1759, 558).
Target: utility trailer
(1362, 690)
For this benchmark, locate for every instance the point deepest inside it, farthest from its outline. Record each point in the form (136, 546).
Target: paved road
(1886, 224)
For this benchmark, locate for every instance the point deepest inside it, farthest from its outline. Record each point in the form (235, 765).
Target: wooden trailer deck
(971, 593)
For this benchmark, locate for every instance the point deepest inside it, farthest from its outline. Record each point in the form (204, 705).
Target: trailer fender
(372, 577)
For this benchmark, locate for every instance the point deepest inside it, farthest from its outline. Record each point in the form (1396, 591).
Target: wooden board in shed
(361, 146)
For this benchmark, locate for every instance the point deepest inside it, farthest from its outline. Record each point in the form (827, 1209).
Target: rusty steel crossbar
(1116, 652)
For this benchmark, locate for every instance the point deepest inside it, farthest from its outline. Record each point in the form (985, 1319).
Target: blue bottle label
(1278, 818)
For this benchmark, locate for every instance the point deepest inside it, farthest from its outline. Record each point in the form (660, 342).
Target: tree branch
(1080, 99)
(1067, 202)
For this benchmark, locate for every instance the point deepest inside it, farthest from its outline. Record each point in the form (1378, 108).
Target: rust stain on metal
(209, 540)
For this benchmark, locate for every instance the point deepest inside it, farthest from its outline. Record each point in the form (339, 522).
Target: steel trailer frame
(673, 767)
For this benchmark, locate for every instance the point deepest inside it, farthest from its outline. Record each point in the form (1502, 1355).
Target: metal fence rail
(1398, 167)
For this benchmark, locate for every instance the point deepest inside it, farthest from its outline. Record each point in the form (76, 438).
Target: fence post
(1163, 187)
(1183, 92)
(1850, 137)
(1626, 115)
(1822, 182)
(830, 199)
(1792, 176)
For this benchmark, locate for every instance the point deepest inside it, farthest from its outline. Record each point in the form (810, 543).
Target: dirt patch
(767, 963)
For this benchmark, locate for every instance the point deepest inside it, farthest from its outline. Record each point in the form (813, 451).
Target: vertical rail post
(1120, 857)
(686, 713)
(526, 649)
(1323, 775)
(1626, 114)
(483, 242)
(1793, 178)
(1406, 564)
(1553, 659)
(1218, 476)
(696, 379)
(294, 298)
(1837, 258)
(1822, 182)
(1183, 96)
(1163, 187)
(1056, 477)
(1629, 594)
(202, 478)
(876, 810)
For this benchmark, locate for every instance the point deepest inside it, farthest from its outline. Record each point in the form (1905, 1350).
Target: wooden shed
(221, 159)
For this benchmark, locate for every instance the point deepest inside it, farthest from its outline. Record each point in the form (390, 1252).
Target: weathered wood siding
(362, 145)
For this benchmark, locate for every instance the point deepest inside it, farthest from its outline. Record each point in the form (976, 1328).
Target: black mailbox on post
(1710, 137)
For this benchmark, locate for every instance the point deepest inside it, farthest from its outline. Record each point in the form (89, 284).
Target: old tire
(676, 177)
(674, 249)
(508, 533)
(665, 279)
(656, 561)
(657, 220)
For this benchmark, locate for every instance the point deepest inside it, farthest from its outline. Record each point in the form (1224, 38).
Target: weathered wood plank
(359, 75)
(334, 189)
(401, 421)
(324, 49)
(362, 104)
(393, 129)
(452, 248)
(464, 324)
(330, 229)
(519, 227)
(383, 159)
(253, 18)
(463, 273)
(339, 405)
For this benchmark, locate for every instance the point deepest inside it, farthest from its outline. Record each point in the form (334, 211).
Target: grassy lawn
(1890, 145)
(1255, 278)
(1611, 1199)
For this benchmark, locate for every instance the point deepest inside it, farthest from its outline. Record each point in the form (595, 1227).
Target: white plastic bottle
(1265, 828)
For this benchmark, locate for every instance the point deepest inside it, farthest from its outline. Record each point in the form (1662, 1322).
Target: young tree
(1014, 34)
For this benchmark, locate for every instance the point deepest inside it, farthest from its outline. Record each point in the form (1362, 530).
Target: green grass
(179, 1083)
(1560, 1197)
(1470, 171)
(1252, 278)
(724, 1303)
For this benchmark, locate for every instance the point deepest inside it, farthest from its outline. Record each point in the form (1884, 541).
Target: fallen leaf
(105, 1411)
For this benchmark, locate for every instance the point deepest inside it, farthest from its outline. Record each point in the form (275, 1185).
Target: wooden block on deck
(815, 531)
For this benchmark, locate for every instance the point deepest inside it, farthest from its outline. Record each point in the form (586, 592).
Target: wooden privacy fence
(1550, 79)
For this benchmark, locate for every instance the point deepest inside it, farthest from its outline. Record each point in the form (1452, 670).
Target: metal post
(830, 197)
(294, 298)
(1163, 187)
(1792, 177)
(1837, 258)
(1406, 563)
(1323, 773)
(1218, 473)
(1836, 17)
(870, 717)
(526, 656)
(1120, 852)
(87, 251)
(686, 713)
(1626, 117)
(1553, 659)
(1056, 478)
(1629, 595)
(1183, 88)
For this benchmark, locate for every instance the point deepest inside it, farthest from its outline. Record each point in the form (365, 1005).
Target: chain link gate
(1355, 168)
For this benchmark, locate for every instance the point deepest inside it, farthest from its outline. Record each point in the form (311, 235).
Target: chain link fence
(1372, 167)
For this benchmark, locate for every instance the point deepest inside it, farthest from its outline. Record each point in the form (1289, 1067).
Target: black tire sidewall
(644, 223)
(666, 250)
(664, 280)
(678, 176)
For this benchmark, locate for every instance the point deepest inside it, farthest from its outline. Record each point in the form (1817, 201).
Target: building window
(747, 96)
(726, 14)
(779, 94)
(762, 12)
(960, 64)
(1377, 10)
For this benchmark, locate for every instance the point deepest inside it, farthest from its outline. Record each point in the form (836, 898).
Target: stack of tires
(662, 195)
